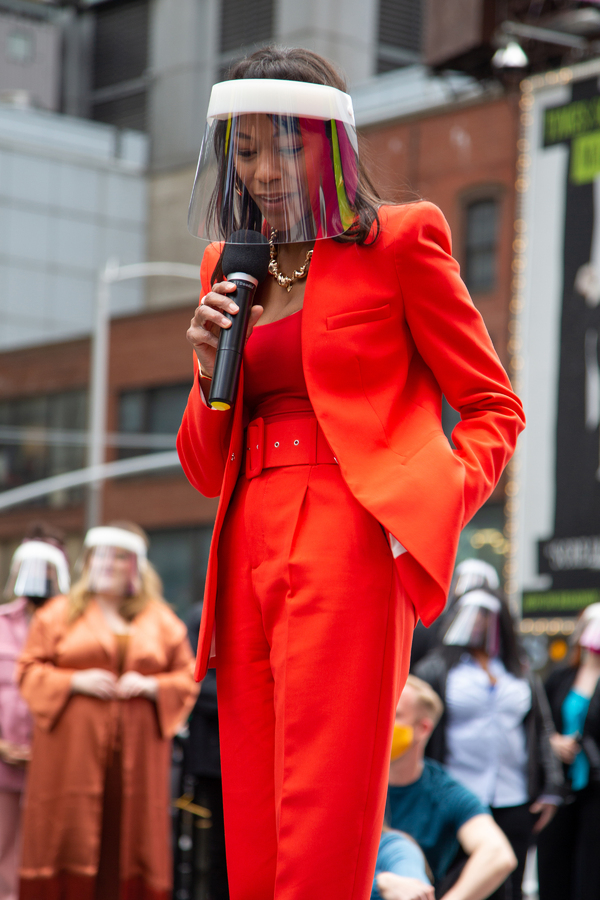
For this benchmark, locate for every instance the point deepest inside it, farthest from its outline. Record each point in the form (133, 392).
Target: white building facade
(73, 193)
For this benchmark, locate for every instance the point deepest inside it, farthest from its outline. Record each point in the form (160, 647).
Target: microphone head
(247, 251)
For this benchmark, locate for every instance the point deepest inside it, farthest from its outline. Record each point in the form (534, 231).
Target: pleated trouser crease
(313, 643)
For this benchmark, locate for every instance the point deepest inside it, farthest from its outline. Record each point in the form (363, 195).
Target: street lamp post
(98, 393)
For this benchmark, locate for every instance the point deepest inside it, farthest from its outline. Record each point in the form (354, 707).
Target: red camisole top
(273, 376)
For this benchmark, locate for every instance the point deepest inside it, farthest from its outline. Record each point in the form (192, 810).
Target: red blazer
(386, 329)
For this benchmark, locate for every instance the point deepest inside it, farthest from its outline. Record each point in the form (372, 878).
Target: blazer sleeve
(45, 686)
(177, 689)
(451, 337)
(203, 438)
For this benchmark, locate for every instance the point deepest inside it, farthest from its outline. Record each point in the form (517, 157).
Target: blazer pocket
(359, 317)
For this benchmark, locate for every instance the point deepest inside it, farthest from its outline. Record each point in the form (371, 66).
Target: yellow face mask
(401, 740)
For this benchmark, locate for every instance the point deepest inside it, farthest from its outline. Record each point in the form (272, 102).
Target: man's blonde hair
(427, 699)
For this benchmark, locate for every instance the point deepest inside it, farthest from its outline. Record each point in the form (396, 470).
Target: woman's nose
(266, 168)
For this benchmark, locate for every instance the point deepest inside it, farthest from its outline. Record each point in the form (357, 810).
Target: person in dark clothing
(568, 850)
(203, 762)
(469, 575)
(494, 736)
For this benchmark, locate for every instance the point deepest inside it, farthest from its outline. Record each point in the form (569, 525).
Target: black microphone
(245, 264)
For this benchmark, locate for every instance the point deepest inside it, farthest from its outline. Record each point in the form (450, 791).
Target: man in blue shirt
(400, 868)
(441, 815)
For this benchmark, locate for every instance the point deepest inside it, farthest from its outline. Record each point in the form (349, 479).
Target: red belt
(285, 442)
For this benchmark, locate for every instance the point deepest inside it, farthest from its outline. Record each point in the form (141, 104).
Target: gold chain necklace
(286, 281)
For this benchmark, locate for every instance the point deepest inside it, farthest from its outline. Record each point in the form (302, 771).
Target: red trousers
(313, 637)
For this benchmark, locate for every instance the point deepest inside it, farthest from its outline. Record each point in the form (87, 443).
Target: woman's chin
(288, 220)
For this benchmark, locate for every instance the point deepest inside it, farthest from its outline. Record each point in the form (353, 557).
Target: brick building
(150, 375)
(464, 161)
(462, 155)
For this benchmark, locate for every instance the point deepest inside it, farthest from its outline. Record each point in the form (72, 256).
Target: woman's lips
(273, 201)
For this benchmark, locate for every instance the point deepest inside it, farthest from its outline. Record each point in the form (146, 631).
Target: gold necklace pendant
(286, 281)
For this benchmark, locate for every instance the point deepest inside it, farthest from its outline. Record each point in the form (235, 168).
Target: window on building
(120, 62)
(245, 25)
(180, 556)
(152, 411)
(35, 442)
(481, 245)
(399, 37)
(20, 45)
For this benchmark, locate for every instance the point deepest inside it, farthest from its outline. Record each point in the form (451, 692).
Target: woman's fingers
(215, 303)
(199, 336)
(213, 314)
(209, 319)
(205, 327)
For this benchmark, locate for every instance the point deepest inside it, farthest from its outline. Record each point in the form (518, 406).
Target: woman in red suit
(341, 500)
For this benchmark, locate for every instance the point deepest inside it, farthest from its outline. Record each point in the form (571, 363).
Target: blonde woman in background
(107, 674)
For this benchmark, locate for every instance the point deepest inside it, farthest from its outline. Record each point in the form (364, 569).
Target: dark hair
(510, 653)
(44, 531)
(299, 64)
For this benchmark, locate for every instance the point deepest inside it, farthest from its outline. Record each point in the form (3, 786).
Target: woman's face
(113, 572)
(277, 165)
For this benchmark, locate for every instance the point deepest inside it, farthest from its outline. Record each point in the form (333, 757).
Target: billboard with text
(557, 507)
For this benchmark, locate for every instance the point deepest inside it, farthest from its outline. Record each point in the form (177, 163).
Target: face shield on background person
(38, 571)
(476, 623)
(279, 158)
(115, 561)
(472, 574)
(587, 633)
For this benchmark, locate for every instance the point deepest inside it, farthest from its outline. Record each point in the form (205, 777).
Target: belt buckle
(255, 444)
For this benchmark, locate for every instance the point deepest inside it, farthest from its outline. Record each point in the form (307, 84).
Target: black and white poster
(558, 506)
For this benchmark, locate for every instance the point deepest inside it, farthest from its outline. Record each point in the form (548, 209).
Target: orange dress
(73, 746)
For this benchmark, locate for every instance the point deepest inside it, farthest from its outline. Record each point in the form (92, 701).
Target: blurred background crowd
(109, 758)
(488, 108)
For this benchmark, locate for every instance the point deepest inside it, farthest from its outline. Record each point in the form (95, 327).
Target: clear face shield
(38, 571)
(279, 158)
(115, 561)
(476, 623)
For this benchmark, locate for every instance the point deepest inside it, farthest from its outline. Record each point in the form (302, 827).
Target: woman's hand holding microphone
(205, 328)
(104, 685)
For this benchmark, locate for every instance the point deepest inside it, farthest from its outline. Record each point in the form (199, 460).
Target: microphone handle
(231, 344)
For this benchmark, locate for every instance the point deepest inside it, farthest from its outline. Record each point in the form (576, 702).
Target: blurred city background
(102, 110)
(488, 108)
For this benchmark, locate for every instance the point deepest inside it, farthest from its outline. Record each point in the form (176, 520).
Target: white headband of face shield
(41, 550)
(278, 97)
(474, 573)
(481, 599)
(109, 536)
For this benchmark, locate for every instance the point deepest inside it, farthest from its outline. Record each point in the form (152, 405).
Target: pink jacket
(15, 719)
